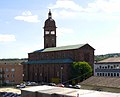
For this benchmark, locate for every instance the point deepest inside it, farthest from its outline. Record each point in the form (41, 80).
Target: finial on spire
(49, 14)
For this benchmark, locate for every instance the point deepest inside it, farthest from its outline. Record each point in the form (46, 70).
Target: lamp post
(36, 79)
(61, 73)
(41, 77)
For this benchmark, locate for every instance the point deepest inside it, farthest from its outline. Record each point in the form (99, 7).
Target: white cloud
(62, 31)
(95, 6)
(28, 17)
(66, 4)
(109, 6)
(7, 38)
(69, 9)
(65, 14)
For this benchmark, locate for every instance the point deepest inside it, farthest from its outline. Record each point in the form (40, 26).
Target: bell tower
(49, 32)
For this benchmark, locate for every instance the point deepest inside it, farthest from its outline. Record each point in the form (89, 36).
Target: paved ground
(14, 90)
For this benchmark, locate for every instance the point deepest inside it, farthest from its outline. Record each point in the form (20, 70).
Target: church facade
(52, 64)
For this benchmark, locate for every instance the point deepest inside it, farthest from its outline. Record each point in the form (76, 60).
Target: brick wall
(13, 72)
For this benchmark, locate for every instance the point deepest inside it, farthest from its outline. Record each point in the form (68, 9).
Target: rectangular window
(12, 75)
(6, 70)
(12, 69)
(0, 69)
(7, 76)
(1, 76)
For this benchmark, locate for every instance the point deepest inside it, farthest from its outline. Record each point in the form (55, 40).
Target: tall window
(6, 70)
(114, 74)
(103, 74)
(12, 75)
(1, 76)
(12, 69)
(97, 74)
(111, 74)
(117, 74)
(0, 69)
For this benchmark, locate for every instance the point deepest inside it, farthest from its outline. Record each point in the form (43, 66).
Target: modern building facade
(52, 64)
(108, 67)
(11, 72)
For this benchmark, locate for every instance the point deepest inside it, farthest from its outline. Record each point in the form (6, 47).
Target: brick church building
(52, 64)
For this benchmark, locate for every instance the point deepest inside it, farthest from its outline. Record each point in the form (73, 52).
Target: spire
(49, 14)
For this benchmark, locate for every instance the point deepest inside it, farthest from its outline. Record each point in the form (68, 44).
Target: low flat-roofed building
(108, 67)
(51, 91)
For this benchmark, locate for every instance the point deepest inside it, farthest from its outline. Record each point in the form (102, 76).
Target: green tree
(80, 71)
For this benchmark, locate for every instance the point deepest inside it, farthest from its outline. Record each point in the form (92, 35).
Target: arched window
(114, 74)
(103, 74)
(117, 74)
(97, 74)
(111, 74)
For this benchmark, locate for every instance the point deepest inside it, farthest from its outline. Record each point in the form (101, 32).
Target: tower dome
(50, 22)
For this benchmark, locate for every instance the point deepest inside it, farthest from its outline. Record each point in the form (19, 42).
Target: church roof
(69, 47)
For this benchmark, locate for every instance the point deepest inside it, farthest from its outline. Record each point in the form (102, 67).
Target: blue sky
(96, 22)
